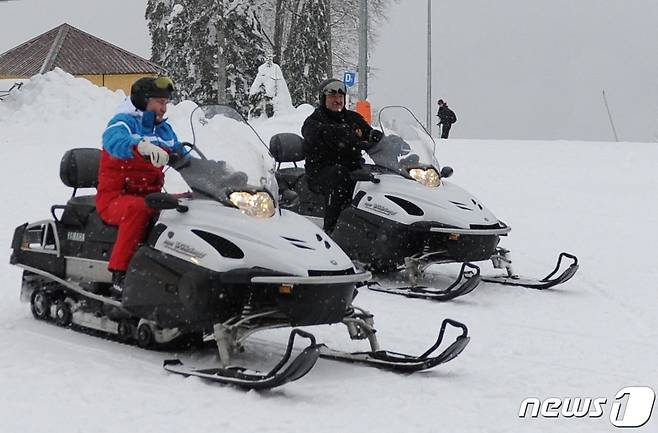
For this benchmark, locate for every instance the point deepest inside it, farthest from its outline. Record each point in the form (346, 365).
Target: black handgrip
(55, 207)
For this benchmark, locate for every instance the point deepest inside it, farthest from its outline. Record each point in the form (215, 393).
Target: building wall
(112, 82)
(115, 82)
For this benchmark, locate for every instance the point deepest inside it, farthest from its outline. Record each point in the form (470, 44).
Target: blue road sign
(349, 78)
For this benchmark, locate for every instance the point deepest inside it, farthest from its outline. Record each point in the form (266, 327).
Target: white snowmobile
(405, 216)
(223, 260)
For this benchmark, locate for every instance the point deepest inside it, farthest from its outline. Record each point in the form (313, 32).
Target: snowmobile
(405, 216)
(222, 260)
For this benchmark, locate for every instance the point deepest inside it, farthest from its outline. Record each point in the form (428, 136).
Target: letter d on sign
(638, 407)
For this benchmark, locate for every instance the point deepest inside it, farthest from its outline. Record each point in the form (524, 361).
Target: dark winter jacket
(334, 138)
(446, 115)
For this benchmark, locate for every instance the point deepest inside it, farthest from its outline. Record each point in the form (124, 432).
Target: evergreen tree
(307, 57)
(204, 42)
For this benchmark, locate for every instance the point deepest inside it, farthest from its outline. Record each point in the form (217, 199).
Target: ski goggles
(164, 83)
(335, 88)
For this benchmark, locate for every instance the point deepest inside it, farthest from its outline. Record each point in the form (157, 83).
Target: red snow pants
(132, 216)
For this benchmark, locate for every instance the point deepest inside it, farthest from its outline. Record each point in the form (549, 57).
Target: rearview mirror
(446, 172)
(289, 199)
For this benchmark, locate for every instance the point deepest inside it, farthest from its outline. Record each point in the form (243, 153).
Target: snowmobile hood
(407, 201)
(222, 238)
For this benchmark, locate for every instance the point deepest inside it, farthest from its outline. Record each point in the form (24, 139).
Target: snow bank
(589, 338)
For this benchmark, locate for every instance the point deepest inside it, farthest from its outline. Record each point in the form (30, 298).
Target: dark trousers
(445, 129)
(337, 187)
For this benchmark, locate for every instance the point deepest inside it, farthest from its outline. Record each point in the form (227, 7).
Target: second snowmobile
(222, 260)
(406, 216)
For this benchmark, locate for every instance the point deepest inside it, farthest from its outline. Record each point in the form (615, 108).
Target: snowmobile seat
(77, 210)
(288, 147)
(79, 169)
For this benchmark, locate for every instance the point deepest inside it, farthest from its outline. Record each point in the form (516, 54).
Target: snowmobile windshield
(406, 144)
(228, 156)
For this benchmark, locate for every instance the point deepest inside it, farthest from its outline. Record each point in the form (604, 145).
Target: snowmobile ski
(463, 284)
(250, 379)
(402, 363)
(545, 283)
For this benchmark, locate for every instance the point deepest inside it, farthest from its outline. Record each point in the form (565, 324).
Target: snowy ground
(588, 338)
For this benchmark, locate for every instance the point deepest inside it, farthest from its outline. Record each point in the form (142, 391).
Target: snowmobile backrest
(79, 168)
(287, 147)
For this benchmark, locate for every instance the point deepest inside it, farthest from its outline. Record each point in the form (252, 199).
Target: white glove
(159, 157)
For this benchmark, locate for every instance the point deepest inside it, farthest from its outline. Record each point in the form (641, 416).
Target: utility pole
(614, 131)
(429, 66)
(363, 49)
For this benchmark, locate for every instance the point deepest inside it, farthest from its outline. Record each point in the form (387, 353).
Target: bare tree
(278, 17)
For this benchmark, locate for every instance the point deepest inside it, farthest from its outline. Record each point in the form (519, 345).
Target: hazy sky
(509, 68)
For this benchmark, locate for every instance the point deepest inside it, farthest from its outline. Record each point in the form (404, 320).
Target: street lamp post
(363, 49)
(429, 66)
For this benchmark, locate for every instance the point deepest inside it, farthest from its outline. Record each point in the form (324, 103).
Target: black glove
(365, 145)
(375, 135)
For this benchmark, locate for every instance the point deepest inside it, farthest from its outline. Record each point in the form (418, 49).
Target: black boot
(332, 211)
(118, 278)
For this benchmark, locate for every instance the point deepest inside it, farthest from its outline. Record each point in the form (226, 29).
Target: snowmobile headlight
(258, 204)
(427, 176)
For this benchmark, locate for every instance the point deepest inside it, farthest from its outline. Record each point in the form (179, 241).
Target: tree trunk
(293, 20)
(329, 61)
(221, 65)
(279, 22)
(220, 32)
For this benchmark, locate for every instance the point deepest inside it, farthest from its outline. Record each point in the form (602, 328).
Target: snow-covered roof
(74, 51)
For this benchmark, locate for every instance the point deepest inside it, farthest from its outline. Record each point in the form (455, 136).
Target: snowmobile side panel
(38, 245)
(384, 243)
(174, 292)
(171, 291)
(17, 240)
(315, 304)
(75, 287)
(93, 241)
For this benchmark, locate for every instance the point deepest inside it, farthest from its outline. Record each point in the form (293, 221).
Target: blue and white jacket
(130, 126)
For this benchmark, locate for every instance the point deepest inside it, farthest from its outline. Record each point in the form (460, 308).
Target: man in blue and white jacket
(136, 146)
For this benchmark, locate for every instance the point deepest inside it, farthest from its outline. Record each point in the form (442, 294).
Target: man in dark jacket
(446, 118)
(334, 139)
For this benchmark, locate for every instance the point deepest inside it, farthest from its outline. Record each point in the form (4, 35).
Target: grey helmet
(329, 86)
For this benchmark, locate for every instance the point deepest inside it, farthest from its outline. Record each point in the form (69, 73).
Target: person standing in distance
(446, 118)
